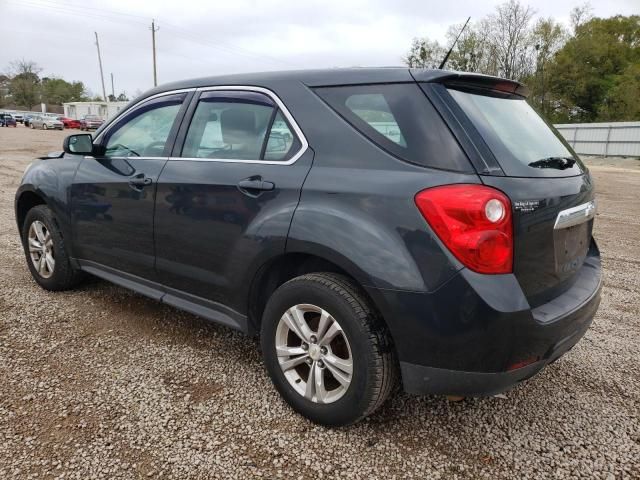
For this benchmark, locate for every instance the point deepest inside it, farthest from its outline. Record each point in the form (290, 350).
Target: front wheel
(45, 252)
(326, 350)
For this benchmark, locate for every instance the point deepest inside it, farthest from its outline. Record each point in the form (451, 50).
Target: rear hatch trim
(575, 215)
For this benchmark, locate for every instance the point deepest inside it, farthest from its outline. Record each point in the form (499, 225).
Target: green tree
(469, 53)
(424, 53)
(548, 37)
(120, 98)
(57, 91)
(587, 70)
(24, 87)
(510, 38)
(499, 44)
(5, 80)
(623, 99)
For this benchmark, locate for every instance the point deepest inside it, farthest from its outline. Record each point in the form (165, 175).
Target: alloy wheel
(41, 249)
(314, 353)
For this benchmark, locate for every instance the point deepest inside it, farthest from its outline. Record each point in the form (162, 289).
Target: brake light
(474, 222)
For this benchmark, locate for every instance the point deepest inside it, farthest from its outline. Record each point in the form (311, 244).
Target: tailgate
(550, 190)
(553, 223)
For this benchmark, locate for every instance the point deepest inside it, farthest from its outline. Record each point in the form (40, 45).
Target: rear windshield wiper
(560, 163)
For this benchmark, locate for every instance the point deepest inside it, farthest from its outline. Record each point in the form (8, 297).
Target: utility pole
(104, 91)
(153, 42)
(113, 92)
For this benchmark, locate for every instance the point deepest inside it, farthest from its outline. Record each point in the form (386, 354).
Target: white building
(105, 110)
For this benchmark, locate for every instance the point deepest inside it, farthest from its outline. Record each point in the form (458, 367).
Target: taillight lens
(474, 222)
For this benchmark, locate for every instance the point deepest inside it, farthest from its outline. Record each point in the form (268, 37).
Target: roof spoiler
(471, 80)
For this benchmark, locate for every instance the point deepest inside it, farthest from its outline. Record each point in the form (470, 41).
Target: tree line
(588, 71)
(23, 88)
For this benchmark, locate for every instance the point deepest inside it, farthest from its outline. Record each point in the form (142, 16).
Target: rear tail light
(474, 222)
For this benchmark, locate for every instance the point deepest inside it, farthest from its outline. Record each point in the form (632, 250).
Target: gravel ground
(104, 383)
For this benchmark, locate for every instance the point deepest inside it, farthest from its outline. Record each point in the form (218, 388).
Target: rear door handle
(140, 180)
(253, 185)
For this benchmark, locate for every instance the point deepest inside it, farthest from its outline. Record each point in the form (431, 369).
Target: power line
(111, 15)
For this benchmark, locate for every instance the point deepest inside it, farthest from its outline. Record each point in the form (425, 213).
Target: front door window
(145, 131)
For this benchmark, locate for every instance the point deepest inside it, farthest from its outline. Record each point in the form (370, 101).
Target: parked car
(7, 120)
(46, 122)
(19, 117)
(69, 122)
(90, 122)
(27, 118)
(367, 224)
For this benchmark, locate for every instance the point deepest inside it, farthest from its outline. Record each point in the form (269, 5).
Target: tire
(62, 276)
(44, 126)
(364, 343)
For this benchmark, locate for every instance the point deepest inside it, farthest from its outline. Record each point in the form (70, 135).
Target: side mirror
(81, 144)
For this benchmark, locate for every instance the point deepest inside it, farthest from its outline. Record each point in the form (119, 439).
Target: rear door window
(522, 142)
(239, 126)
(399, 119)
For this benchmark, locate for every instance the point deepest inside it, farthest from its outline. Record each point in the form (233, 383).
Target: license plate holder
(570, 247)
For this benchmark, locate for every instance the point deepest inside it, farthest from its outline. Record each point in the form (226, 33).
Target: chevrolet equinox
(374, 227)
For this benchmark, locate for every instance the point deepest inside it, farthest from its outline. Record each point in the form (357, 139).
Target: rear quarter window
(399, 119)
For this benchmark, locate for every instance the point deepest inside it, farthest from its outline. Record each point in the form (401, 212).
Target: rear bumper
(476, 335)
(420, 379)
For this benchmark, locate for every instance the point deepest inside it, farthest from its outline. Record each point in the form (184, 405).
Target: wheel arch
(25, 201)
(287, 266)
(283, 268)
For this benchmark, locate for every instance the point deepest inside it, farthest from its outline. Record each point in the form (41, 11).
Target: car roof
(320, 77)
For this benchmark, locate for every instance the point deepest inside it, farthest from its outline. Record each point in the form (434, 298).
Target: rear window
(522, 142)
(400, 119)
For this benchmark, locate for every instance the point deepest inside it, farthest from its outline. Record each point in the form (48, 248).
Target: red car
(90, 122)
(69, 122)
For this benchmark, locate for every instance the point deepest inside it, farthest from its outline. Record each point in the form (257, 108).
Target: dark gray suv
(373, 226)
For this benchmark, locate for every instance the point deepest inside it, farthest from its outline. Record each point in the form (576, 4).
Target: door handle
(140, 180)
(254, 185)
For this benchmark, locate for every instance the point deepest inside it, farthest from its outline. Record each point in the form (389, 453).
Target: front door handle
(140, 180)
(254, 185)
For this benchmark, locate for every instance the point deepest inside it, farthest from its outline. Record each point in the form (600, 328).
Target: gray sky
(200, 37)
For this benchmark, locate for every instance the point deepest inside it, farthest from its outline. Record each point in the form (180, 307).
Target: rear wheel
(326, 350)
(45, 252)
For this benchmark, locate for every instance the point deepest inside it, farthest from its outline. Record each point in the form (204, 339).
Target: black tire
(375, 369)
(64, 276)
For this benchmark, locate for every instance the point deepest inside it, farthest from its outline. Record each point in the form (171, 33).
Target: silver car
(45, 122)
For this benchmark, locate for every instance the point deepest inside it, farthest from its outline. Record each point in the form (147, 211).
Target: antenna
(446, 57)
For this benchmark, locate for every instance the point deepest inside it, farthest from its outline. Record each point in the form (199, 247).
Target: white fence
(620, 139)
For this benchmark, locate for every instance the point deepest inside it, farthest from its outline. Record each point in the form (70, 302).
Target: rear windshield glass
(400, 119)
(523, 143)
